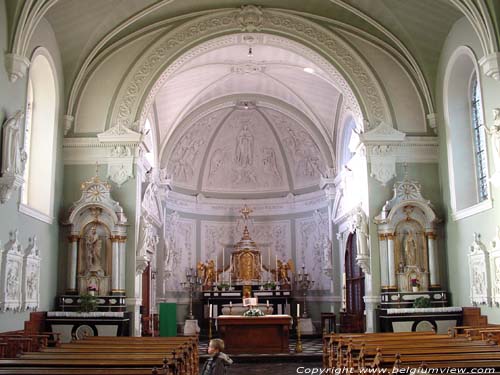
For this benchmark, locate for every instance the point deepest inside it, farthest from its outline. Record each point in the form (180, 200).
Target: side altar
(411, 297)
(94, 299)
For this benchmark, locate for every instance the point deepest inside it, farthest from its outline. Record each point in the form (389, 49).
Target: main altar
(243, 271)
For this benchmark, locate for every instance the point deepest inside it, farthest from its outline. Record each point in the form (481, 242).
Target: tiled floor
(272, 368)
(310, 347)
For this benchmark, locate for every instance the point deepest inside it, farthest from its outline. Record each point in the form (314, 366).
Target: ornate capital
(8, 185)
(16, 66)
(490, 64)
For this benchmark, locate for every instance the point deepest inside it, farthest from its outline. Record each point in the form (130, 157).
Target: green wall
(459, 234)
(12, 99)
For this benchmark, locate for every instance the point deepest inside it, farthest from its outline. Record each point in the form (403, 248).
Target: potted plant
(415, 284)
(223, 286)
(88, 303)
(422, 302)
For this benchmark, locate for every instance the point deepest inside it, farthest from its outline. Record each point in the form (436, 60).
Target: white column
(384, 265)
(371, 306)
(72, 264)
(122, 256)
(390, 262)
(115, 262)
(433, 260)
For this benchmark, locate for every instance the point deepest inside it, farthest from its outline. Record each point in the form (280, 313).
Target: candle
(223, 261)
(276, 268)
(269, 259)
(210, 311)
(298, 309)
(231, 303)
(267, 303)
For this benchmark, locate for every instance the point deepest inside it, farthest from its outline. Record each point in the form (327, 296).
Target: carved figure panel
(245, 156)
(495, 269)
(31, 276)
(301, 151)
(312, 238)
(187, 156)
(179, 249)
(479, 272)
(12, 274)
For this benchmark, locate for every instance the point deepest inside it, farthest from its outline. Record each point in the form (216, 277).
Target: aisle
(272, 368)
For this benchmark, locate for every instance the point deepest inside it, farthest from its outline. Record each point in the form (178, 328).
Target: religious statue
(12, 281)
(410, 250)
(244, 147)
(210, 273)
(494, 131)
(93, 246)
(283, 269)
(13, 155)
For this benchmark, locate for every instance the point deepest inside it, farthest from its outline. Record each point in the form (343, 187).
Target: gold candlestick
(298, 346)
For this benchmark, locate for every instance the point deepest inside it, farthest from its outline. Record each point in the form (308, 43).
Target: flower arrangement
(270, 285)
(415, 282)
(223, 286)
(253, 312)
(92, 288)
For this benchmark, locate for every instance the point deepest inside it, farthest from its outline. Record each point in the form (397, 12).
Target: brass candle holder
(298, 346)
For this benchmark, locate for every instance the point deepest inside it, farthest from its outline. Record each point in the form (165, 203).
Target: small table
(256, 334)
(330, 319)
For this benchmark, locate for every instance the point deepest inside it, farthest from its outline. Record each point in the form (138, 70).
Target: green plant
(270, 285)
(422, 302)
(223, 286)
(88, 303)
(253, 312)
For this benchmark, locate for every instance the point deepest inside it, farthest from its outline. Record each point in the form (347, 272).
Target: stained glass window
(479, 140)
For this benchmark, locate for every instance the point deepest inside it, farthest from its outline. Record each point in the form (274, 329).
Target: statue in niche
(494, 131)
(244, 147)
(13, 155)
(410, 250)
(93, 247)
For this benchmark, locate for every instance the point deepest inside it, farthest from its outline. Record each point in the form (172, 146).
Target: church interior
(313, 182)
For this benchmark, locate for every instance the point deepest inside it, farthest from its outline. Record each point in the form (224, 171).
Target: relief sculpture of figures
(93, 246)
(244, 147)
(12, 281)
(13, 155)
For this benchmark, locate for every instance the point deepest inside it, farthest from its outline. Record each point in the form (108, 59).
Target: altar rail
(71, 302)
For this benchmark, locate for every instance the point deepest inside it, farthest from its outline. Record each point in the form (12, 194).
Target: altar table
(256, 334)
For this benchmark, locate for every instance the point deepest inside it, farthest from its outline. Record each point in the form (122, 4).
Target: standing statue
(494, 131)
(283, 269)
(13, 155)
(244, 147)
(210, 273)
(410, 249)
(93, 246)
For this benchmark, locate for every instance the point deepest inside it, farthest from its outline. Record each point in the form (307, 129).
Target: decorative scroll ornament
(250, 18)
(11, 275)
(495, 269)
(479, 272)
(16, 66)
(31, 276)
(382, 144)
(13, 157)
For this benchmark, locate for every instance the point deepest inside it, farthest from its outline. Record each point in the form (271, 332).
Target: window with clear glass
(479, 140)
(27, 140)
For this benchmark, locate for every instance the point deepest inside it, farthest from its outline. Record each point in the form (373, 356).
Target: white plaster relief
(302, 152)
(495, 269)
(179, 243)
(244, 157)
(479, 273)
(311, 240)
(274, 235)
(12, 274)
(31, 276)
(13, 157)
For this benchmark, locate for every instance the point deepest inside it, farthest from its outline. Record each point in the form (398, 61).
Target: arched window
(37, 198)
(479, 139)
(465, 136)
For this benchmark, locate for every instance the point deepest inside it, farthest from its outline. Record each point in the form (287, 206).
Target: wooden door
(353, 319)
